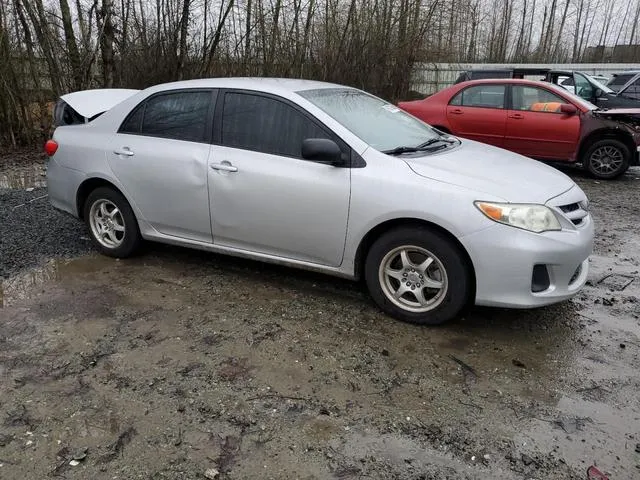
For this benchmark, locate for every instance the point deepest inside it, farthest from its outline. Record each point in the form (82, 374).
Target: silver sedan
(322, 177)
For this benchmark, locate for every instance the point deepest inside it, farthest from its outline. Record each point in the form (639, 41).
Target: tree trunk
(106, 43)
(184, 31)
(72, 46)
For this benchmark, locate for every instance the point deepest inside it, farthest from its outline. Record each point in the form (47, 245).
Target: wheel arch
(602, 134)
(374, 233)
(88, 186)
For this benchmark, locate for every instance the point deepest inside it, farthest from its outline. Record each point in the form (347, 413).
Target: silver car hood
(494, 171)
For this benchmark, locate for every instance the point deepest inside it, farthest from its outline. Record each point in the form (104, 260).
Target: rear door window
(480, 96)
(182, 115)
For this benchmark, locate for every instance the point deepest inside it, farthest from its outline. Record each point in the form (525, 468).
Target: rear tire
(111, 222)
(418, 275)
(606, 159)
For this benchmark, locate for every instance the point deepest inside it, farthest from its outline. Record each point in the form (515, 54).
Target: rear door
(478, 113)
(537, 128)
(160, 156)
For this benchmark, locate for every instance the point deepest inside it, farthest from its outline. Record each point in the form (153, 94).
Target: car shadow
(476, 320)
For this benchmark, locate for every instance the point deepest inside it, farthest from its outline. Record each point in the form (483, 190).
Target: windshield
(378, 123)
(597, 84)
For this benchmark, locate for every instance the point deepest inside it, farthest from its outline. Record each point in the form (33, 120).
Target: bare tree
(53, 46)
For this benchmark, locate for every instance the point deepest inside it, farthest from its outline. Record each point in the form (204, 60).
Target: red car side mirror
(568, 109)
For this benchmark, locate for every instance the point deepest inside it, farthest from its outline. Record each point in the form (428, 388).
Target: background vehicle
(481, 74)
(631, 89)
(619, 80)
(327, 178)
(537, 119)
(603, 79)
(588, 88)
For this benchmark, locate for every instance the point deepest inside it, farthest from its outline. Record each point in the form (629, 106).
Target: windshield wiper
(423, 147)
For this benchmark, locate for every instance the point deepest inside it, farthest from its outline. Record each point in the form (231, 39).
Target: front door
(478, 113)
(160, 157)
(264, 197)
(537, 128)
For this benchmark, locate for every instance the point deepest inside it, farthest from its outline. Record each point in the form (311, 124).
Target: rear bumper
(62, 185)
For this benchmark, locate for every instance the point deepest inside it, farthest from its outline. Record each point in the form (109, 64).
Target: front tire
(418, 275)
(111, 222)
(607, 159)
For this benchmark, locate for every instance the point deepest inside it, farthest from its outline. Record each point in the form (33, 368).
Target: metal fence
(428, 78)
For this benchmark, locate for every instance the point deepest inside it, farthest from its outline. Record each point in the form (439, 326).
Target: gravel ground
(178, 363)
(31, 231)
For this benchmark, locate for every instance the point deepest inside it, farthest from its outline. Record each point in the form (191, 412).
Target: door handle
(224, 166)
(457, 111)
(517, 116)
(125, 151)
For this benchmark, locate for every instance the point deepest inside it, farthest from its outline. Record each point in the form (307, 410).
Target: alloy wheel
(107, 224)
(606, 160)
(413, 278)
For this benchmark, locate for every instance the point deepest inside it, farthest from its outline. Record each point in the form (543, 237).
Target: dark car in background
(484, 73)
(590, 89)
(631, 89)
(619, 80)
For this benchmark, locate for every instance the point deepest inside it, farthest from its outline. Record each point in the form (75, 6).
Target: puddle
(23, 177)
(23, 286)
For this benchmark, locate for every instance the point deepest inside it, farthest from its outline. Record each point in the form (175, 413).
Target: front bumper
(504, 258)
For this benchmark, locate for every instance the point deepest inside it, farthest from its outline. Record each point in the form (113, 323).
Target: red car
(537, 119)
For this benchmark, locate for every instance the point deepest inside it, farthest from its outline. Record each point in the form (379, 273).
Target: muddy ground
(178, 362)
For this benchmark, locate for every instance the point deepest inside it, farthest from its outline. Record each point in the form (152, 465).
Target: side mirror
(598, 93)
(322, 150)
(568, 109)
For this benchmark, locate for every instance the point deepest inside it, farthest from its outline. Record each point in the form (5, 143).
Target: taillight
(50, 147)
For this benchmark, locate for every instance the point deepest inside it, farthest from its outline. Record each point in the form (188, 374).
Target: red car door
(537, 128)
(478, 113)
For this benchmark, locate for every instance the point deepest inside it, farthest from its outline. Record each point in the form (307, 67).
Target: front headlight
(535, 218)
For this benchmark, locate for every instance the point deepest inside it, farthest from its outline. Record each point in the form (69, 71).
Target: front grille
(576, 212)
